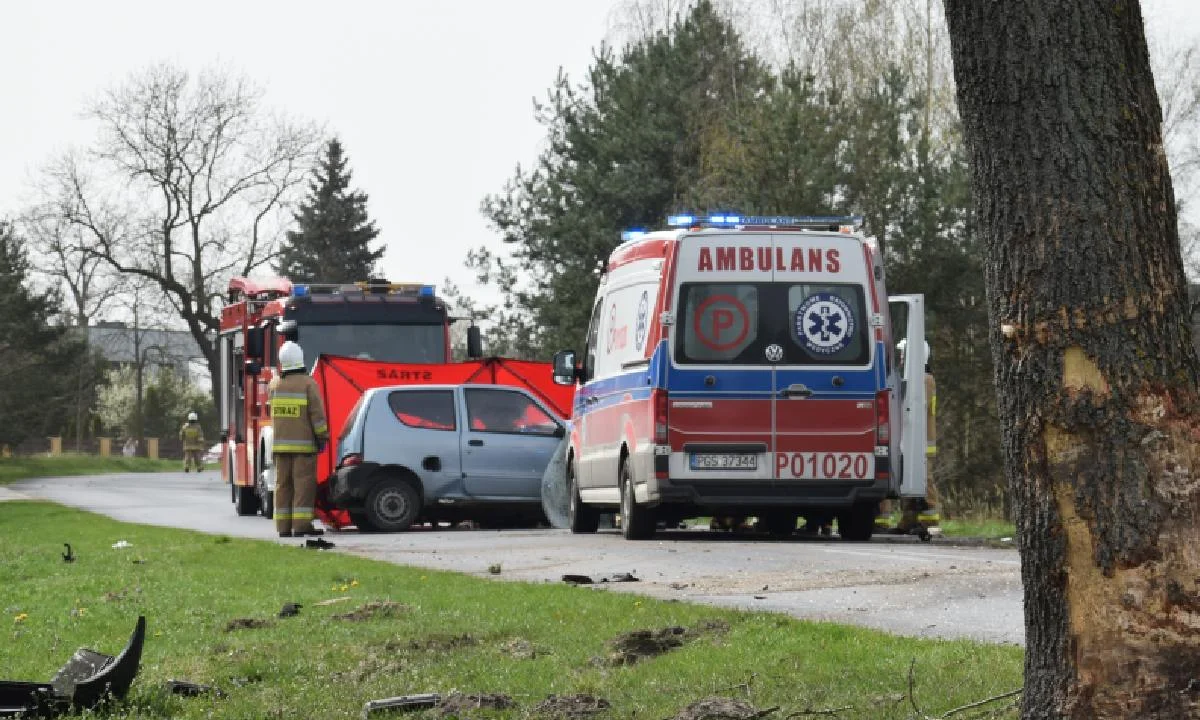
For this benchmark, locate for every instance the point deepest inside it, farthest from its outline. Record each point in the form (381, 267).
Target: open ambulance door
(908, 325)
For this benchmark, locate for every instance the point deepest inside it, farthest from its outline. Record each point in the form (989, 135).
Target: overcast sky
(432, 99)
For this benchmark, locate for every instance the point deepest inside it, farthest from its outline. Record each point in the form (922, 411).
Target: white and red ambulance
(742, 365)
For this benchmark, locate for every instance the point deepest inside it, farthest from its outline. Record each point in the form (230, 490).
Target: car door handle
(475, 443)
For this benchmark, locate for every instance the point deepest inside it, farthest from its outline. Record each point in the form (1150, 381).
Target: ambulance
(745, 365)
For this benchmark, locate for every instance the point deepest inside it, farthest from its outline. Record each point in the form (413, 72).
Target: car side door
(508, 440)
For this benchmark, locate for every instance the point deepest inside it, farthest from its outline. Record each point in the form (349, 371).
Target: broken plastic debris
(1005, 539)
(402, 702)
(120, 544)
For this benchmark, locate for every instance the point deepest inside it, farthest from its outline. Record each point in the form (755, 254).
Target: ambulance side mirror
(474, 342)
(564, 367)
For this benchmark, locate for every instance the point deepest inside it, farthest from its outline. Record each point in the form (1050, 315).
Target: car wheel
(858, 523)
(246, 502)
(361, 521)
(637, 521)
(581, 518)
(266, 497)
(392, 505)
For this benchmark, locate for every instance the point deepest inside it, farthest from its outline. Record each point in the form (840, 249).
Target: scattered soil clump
(570, 707)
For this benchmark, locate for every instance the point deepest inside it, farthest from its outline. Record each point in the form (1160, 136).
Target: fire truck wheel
(858, 523)
(580, 517)
(637, 521)
(246, 502)
(392, 505)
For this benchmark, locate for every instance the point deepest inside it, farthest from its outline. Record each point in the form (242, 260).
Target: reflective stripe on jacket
(192, 437)
(297, 415)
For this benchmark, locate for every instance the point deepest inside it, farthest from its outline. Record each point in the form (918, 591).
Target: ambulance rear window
(772, 323)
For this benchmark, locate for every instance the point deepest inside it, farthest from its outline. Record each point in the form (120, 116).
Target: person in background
(301, 433)
(192, 436)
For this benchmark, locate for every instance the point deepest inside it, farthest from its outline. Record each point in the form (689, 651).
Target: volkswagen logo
(774, 353)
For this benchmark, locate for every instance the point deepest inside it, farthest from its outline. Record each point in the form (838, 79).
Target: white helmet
(193, 417)
(904, 343)
(291, 357)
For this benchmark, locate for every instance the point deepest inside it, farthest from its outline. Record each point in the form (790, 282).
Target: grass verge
(986, 528)
(24, 468)
(446, 631)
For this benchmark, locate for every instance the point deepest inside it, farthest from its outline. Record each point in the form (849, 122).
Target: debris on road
(121, 544)
(588, 580)
(570, 707)
(290, 610)
(68, 556)
(319, 544)
(494, 568)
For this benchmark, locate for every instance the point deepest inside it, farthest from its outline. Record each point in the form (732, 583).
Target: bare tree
(1096, 374)
(187, 186)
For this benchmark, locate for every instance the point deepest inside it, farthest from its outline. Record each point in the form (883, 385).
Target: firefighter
(192, 436)
(300, 433)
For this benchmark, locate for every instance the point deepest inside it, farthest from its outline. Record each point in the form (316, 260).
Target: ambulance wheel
(392, 505)
(637, 521)
(580, 517)
(246, 501)
(780, 524)
(858, 523)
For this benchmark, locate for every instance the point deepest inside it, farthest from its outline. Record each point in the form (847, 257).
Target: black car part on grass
(87, 680)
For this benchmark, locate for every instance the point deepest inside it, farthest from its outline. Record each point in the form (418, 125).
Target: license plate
(825, 466)
(724, 461)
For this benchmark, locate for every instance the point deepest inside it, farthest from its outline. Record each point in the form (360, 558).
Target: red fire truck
(376, 320)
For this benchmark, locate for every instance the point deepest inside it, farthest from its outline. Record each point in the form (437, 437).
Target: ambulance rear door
(908, 322)
(720, 396)
(827, 379)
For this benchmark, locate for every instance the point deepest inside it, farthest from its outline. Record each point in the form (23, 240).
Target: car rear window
(427, 409)
(738, 323)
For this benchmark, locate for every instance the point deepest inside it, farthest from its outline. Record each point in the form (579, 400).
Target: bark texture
(1095, 369)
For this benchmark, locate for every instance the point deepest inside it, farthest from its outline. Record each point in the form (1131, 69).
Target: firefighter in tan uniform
(300, 433)
(192, 436)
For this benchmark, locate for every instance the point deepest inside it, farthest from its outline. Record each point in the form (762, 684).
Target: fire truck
(374, 320)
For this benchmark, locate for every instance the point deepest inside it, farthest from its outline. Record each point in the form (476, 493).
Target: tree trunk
(1096, 374)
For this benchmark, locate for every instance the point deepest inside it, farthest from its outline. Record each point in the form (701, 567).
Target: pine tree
(333, 242)
(38, 357)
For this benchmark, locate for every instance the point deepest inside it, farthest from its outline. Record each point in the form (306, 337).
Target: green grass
(191, 585)
(24, 468)
(987, 528)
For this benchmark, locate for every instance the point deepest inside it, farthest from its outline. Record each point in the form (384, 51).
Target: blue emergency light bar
(426, 291)
(299, 291)
(631, 235)
(735, 220)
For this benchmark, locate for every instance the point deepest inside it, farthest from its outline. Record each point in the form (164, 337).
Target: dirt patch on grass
(384, 608)
(521, 649)
(457, 704)
(719, 708)
(441, 642)
(246, 624)
(631, 647)
(570, 707)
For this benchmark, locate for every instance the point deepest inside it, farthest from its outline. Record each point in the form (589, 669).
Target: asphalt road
(906, 587)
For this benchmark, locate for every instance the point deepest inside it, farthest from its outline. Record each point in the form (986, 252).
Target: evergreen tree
(333, 242)
(37, 356)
